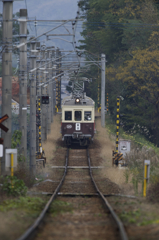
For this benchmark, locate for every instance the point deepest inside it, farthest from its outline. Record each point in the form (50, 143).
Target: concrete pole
(43, 91)
(53, 86)
(38, 63)
(103, 90)
(23, 83)
(33, 109)
(38, 94)
(7, 75)
(56, 82)
(50, 85)
(59, 81)
(48, 93)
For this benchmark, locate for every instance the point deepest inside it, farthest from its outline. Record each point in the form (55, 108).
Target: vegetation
(127, 32)
(16, 138)
(58, 207)
(25, 203)
(141, 149)
(14, 186)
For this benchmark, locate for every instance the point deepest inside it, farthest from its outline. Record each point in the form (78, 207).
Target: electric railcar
(78, 120)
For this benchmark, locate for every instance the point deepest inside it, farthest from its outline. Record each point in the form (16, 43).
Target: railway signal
(45, 99)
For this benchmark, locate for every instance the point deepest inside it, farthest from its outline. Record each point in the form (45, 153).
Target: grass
(32, 204)
(130, 216)
(141, 149)
(137, 139)
(146, 222)
(138, 218)
(59, 207)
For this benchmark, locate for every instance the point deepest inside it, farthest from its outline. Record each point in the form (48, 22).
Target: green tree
(140, 78)
(127, 32)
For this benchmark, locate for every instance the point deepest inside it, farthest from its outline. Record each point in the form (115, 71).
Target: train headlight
(77, 100)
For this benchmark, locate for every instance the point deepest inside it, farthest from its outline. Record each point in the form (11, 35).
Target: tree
(140, 78)
(127, 32)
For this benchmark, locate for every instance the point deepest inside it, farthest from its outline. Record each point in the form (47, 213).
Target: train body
(78, 120)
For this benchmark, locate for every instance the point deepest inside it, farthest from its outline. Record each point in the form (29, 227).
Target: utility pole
(59, 90)
(53, 86)
(7, 75)
(48, 93)
(23, 82)
(38, 100)
(58, 81)
(50, 87)
(43, 92)
(33, 108)
(38, 62)
(103, 90)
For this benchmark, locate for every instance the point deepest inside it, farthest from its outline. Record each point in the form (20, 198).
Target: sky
(50, 10)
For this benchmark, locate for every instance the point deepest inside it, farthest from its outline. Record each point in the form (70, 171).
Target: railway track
(77, 181)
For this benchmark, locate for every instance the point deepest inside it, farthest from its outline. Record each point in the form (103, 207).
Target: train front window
(68, 116)
(78, 115)
(87, 115)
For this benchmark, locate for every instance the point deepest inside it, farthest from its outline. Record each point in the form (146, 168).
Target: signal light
(45, 99)
(77, 100)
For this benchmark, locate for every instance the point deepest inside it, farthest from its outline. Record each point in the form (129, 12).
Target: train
(78, 120)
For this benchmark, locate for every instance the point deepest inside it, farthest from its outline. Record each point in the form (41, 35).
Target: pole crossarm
(35, 69)
(54, 35)
(41, 84)
(60, 39)
(35, 38)
(84, 61)
(40, 20)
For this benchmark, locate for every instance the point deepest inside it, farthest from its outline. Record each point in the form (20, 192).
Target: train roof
(87, 101)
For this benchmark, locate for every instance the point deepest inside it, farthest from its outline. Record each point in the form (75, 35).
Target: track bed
(85, 216)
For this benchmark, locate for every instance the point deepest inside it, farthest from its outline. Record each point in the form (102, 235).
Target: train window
(87, 115)
(68, 116)
(78, 115)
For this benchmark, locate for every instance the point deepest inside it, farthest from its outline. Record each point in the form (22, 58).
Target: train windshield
(78, 115)
(68, 116)
(87, 115)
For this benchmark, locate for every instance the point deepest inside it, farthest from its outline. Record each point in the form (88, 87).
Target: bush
(153, 192)
(28, 204)
(14, 186)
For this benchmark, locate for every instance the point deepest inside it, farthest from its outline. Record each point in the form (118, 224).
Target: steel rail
(117, 220)
(35, 225)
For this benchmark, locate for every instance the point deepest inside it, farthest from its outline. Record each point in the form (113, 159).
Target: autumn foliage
(127, 32)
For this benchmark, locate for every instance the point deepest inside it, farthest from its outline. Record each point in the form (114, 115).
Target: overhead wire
(28, 14)
(103, 24)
